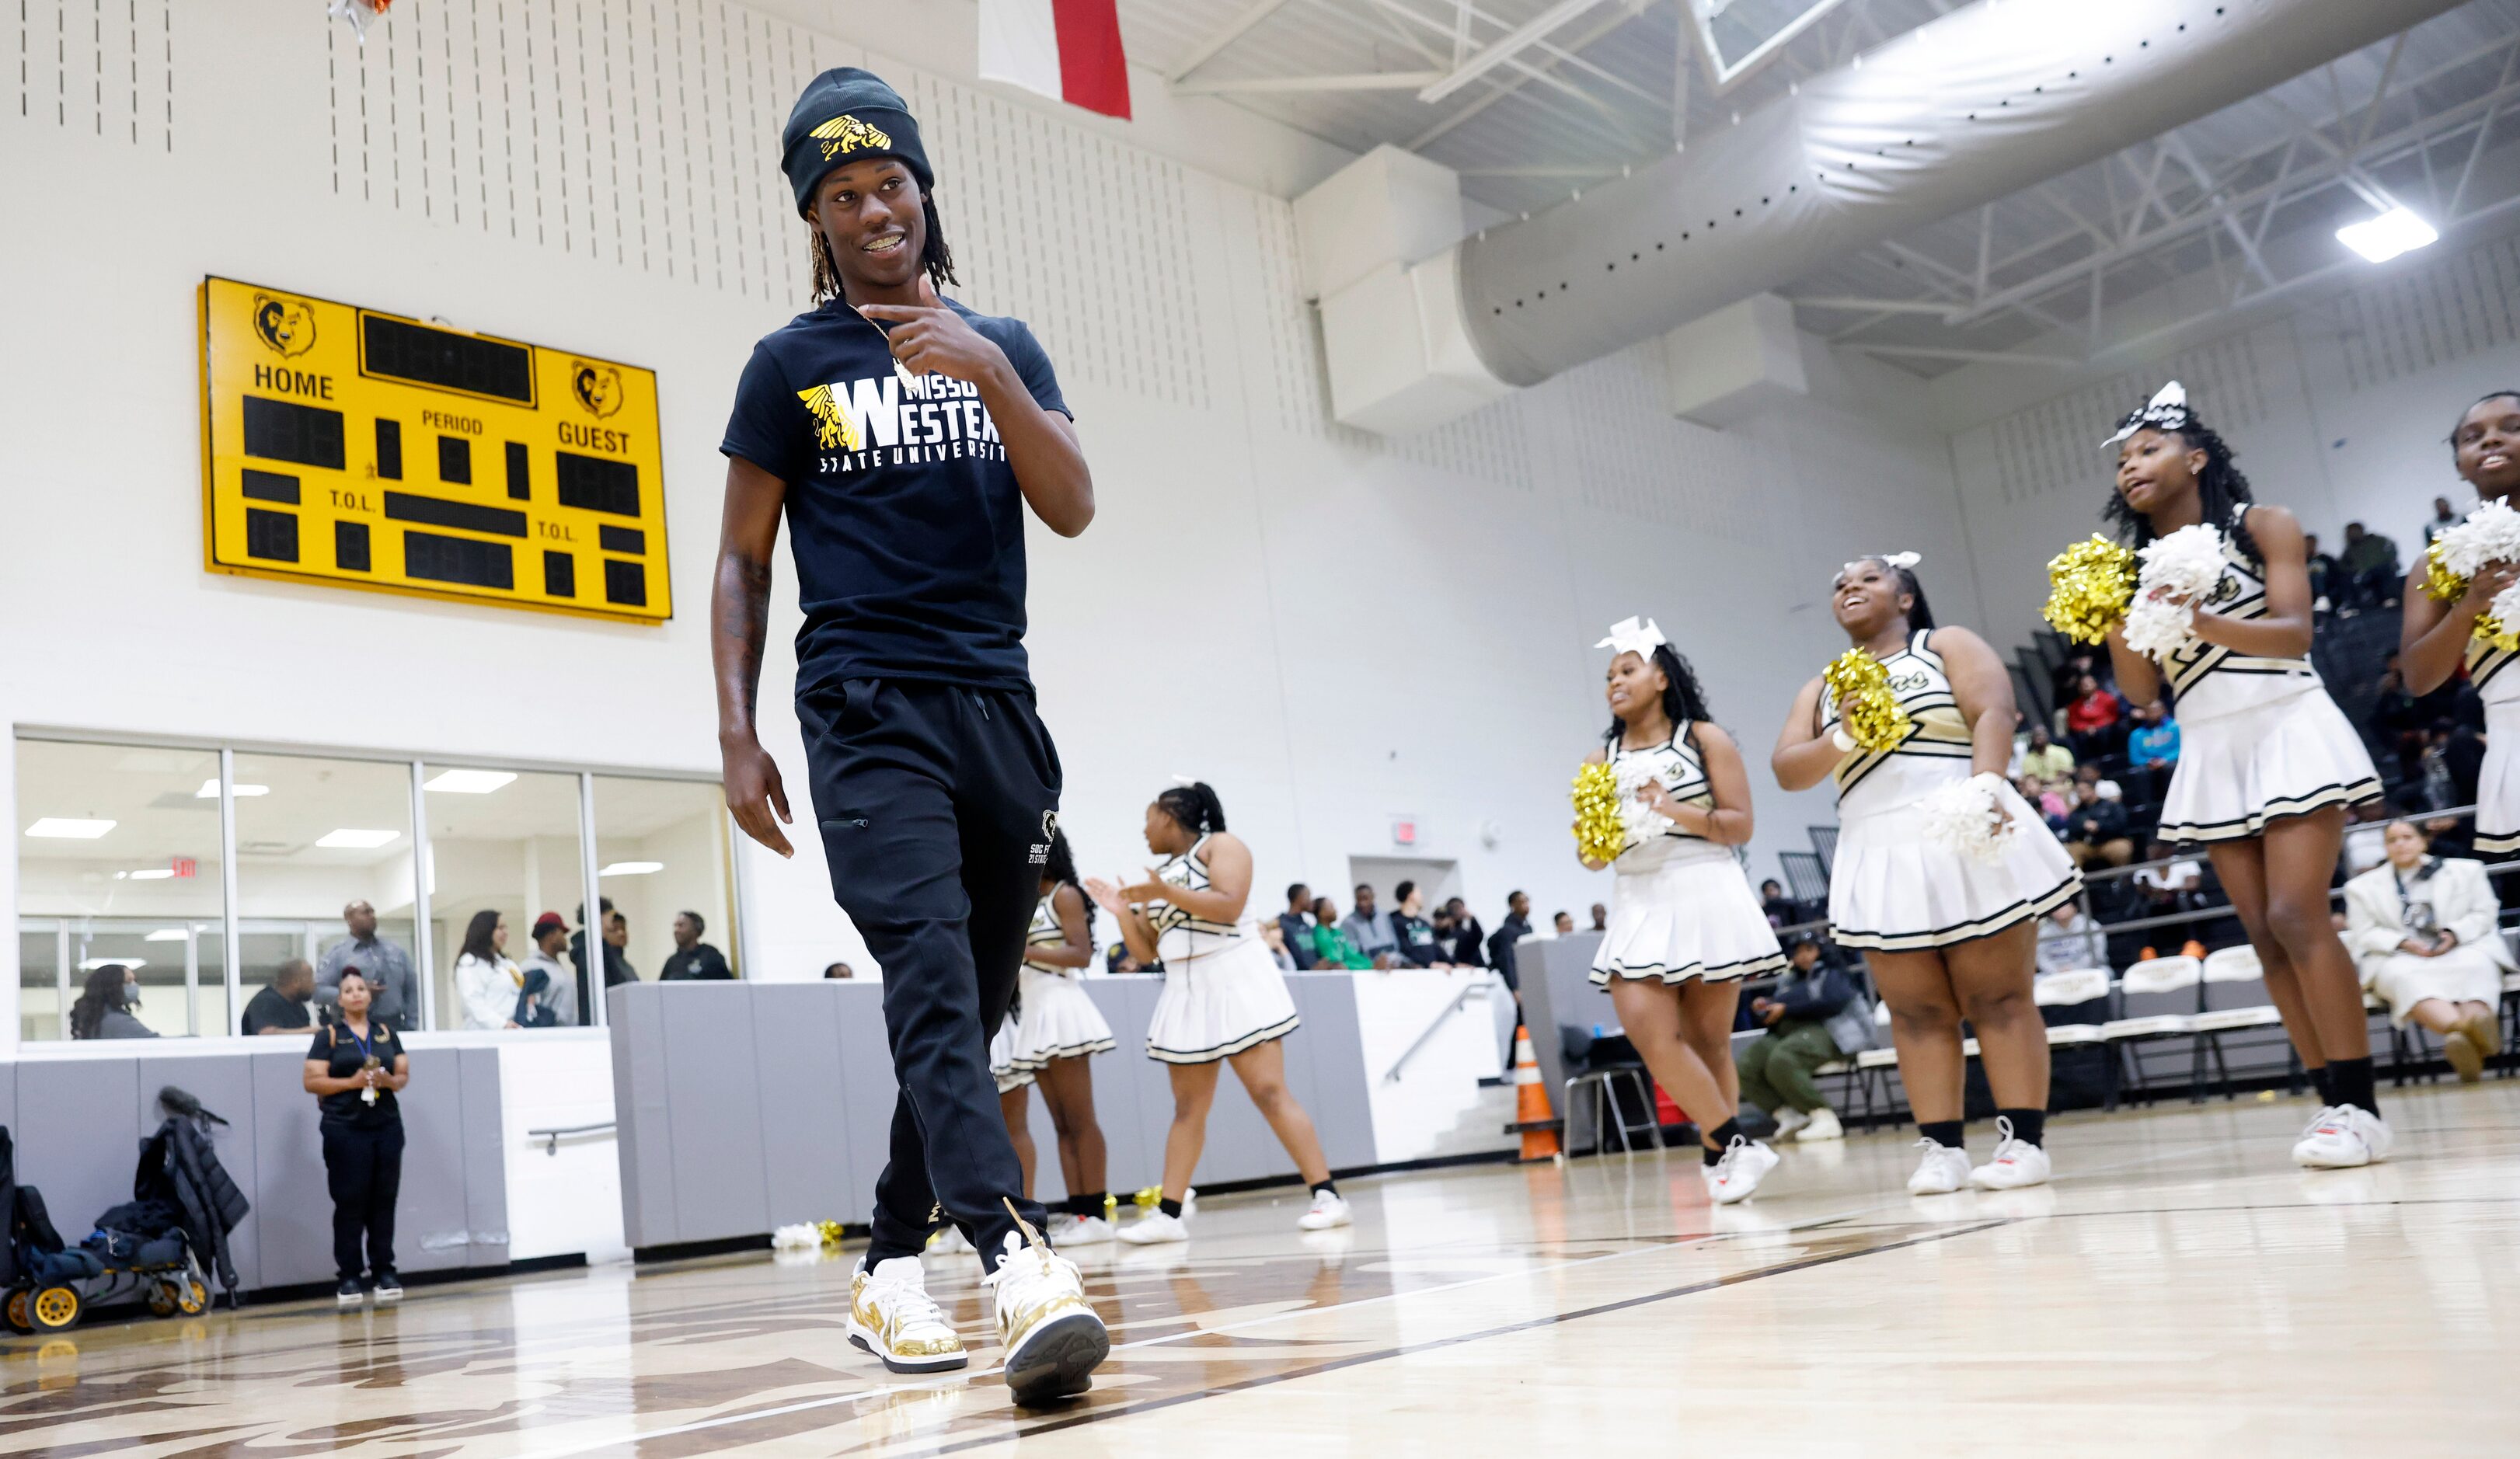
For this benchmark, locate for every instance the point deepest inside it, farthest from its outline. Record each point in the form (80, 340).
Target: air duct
(1971, 108)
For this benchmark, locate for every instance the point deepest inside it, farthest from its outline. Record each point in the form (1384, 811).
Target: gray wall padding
(750, 1106)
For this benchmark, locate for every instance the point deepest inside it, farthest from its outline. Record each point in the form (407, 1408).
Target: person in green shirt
(1334, 946)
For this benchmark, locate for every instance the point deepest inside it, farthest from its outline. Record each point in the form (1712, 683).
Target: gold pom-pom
(829, 1231)
(2088, 587)
(1147, 1199)
(1869, 713)
(2493, 631)
(2440, 583)
(1601, 833)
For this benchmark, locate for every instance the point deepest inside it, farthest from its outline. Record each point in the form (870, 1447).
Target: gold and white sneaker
(1054, 1338)
(891, 1316)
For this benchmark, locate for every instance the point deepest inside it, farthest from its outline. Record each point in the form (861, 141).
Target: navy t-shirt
(906, 520)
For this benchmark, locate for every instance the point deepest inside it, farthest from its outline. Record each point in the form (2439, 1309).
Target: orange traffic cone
(1531, 1117)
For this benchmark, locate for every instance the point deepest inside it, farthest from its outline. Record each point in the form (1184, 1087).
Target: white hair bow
(2166, 410)
(1894, 561)
(1637, 636)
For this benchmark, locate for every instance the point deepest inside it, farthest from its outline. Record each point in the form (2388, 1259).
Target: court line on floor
(1528, 1324)
(970, 1375)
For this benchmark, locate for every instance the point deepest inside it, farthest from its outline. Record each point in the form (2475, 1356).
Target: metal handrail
(1479, 985)
(550, 1137)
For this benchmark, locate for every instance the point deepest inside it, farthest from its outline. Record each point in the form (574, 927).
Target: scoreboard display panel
(353, 447)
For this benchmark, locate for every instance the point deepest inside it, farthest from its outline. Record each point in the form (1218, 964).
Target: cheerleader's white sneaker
(1080, 1230)
(1822, 1124)
(1746, 1162)
(1944, 1169)
(2016, 1163)
(891, 1316)
(1054, 1338)
(1330, 1209)
(1155, 1227)
(2341, 1137)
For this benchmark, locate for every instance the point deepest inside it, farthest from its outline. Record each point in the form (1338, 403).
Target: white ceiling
(2246, 200)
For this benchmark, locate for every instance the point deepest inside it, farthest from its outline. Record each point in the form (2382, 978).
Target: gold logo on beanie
(833, 425)
(847, 134)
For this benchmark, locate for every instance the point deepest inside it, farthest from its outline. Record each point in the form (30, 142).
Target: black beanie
(844, 114)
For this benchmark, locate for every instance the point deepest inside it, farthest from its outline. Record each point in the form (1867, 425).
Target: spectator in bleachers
(2424, 932)
(104, 1006)
(2403, 719)
(1469, 938)
(1813, 1017)
(1514, 929)
(2324, 576)
(2152, 749)
(2369, 563)
(2095, 829)
(1772, 900)
(2176, 886)
(1418, 946)
(1295, 927)
(2095, 720)
(2452, 836)
(2443, 520)
(2046, 760)
(279, 1007)
(1332, 947)
(2436, 790)
(2048, 801)
(2071, 941)
(1562, 923)
(2464, 756)
(1369, 929)
(692, 960)
(1600, 917)
(1272, 936)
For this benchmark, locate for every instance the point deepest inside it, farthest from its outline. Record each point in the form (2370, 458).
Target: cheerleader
(2434, 636)
(1057, 1031)
(1948, 936)
(1683, 929)
(2267, 762)
(1223, 1001)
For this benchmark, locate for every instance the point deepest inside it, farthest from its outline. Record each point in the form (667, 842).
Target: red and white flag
(1069, 48)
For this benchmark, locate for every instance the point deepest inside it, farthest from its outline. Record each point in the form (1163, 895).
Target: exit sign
(184, 868)
(1404, 830)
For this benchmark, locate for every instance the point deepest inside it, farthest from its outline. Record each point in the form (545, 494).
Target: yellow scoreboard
(347, 446)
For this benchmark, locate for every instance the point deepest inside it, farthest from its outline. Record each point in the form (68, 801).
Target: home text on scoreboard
(356, 448)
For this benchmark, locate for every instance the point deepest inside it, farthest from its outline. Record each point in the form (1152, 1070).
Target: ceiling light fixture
(153, 873)
(631, 868)
(210, 790)
(468, 782)
(69, 829)
(351, 839)
(2381, 239)
(166, 935)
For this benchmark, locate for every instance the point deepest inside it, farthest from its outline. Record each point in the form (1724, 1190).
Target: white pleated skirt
(1694, 917)
(1893, 889)
(2289, 755)
(2498, 781)
(1058, 1020)
(1216, 1006)
(1009, 1071)
(2462, 975)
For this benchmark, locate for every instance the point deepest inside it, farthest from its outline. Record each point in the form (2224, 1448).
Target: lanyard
(367, 1048)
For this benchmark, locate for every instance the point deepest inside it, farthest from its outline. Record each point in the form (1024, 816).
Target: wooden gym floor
(2181, 1289)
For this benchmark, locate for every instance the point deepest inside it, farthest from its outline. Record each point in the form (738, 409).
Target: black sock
(1324, 1185)
(2027, 1124)
(1723, 1135)
(2349, 1082)
(2318, 1081)
(1943, 1132)
(1089, 1204)
(1169, 1206)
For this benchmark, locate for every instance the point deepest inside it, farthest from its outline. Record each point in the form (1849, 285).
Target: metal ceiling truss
(2179, 198)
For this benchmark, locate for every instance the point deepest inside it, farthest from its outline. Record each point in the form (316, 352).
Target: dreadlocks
(2221, 491)
(934, 256)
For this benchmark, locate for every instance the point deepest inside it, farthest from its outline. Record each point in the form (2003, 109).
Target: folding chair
(1805, 878)
(1824, 839)
(2075, 1004)
(2235, 1002)
(2158, 999)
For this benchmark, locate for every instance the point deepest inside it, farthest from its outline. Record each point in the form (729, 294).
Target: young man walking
(902, 436)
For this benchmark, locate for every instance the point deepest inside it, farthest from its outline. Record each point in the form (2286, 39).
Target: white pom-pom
(2506, 606)
(1968, 816)
(2178, 572)
(801, 1237)
(2490, 534)
(1642, 822)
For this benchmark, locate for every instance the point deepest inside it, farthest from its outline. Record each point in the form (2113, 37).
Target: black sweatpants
(362, 1168)
(937, 804)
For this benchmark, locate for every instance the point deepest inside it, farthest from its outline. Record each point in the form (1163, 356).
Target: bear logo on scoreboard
(285, 325)
(598, 387)
(844, 134)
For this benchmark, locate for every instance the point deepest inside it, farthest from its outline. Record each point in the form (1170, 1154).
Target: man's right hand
(753, 791)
